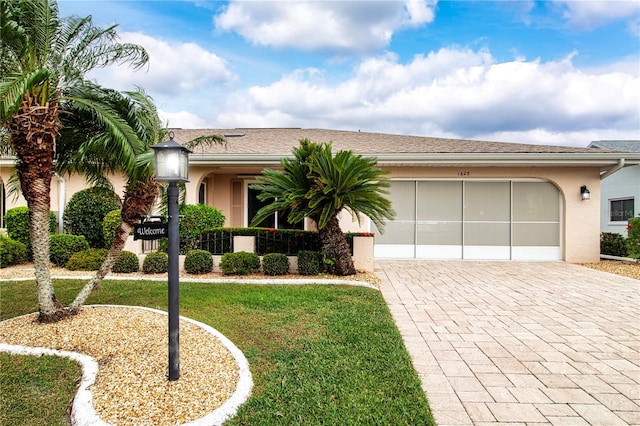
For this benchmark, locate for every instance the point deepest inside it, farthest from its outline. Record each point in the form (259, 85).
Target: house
(620, 189)
(454, 199)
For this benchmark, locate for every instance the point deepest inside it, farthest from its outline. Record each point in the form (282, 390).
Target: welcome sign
(150, 231)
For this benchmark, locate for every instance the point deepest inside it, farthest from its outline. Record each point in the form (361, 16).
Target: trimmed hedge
(275, 264)
(240, 263)
(87, 260)
(198, 262)
(17, 224)
(310, 262)
(12, 252)
(127, 262)
(110, 223)
(633, 240)
(63, 246)
(155, 263)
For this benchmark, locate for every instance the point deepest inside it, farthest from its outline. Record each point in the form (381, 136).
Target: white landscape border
(83, 412)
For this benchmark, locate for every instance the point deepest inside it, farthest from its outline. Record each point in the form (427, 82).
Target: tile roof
(280, 141)
(630, 146)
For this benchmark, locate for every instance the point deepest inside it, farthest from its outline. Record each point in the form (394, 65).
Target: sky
(554, 72)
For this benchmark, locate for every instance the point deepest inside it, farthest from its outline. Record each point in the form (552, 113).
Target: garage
(473, 219)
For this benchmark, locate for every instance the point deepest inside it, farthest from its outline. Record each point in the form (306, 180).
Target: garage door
(456, 219)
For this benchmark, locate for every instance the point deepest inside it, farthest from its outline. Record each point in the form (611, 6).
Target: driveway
(519, 343)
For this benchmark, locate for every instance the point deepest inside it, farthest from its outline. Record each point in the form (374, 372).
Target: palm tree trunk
(117, 244)
(33, 132)
(336, 249)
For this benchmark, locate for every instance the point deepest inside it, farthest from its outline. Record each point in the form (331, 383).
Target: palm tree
(91, 147)
(318, 185)
(43, 62)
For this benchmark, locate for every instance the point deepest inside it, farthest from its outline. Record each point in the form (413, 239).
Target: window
(621, 210)
(2, 205)
(279, 220)
(202, 193)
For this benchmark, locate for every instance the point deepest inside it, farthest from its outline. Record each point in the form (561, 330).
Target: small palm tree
(318, 185)
(43, 63)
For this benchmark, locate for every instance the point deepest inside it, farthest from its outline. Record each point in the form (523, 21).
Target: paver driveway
(519, 343)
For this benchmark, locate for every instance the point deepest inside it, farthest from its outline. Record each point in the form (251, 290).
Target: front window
(278, 220)
(621, 210)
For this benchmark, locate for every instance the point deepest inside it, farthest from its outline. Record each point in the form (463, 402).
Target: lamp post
(172, 166)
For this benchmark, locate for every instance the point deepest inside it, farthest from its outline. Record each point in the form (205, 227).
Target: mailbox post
(172, 166)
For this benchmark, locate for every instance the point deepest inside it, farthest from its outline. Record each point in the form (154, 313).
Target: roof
(266, 146)
(629, 146)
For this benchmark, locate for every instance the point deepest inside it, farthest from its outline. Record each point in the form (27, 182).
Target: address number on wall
(464, 173)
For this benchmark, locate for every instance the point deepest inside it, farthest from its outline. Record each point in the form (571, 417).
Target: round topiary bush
(63, 246)
(12, 252)
(198, 262)
(155, 263)
(87, 260)
(309, 262)
(275, 264)
(85, 212)
(240, 263)
(197, 219)
(126, 263)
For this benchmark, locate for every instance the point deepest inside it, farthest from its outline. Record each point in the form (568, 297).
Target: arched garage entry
(473, 219)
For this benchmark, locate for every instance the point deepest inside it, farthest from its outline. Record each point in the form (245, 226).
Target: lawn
(319, 354)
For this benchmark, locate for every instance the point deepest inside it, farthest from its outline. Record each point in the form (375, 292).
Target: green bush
(110, 223)
(240, 263)
(63, 246)
(612, 244)
(198, 262)
(12, 252)
(126, 263)
(87, 260)
(195, 220)
(309, 262)
(155, 263)
(275, 264)
(86, 211)
(633, 240)
(17, 224)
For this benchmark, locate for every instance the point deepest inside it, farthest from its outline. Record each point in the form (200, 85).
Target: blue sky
(559, 72)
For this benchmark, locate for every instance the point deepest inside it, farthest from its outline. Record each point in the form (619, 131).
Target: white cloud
(183, 119)
(315, 25)
(453, 92)
(594, 13)
(173, 68)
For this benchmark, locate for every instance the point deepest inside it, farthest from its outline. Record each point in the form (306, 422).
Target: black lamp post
(172, 166)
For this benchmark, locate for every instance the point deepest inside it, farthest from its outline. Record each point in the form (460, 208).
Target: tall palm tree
(318, 185)
(43, 60)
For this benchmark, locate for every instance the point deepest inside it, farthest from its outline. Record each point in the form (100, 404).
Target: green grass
(318, 354)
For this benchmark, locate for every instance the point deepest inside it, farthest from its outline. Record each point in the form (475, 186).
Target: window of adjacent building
(621, 210)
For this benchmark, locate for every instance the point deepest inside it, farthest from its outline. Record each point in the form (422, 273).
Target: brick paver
(518, 342)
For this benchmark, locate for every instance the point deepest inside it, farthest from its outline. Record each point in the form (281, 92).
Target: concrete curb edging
(83, 412)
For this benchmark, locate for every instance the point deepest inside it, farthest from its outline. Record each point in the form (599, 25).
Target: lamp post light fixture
(585, 193)
(172, 166)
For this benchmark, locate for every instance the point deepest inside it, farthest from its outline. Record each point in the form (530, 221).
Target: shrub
(198, 262)
(633, 240)
(126, 262)
(12, 252)
(155, 263)
(17, 224)
(63, 246)
(86, 211)
(240, 263)
(87, 260)
(110, 223)
(275, 264)
(309, 262)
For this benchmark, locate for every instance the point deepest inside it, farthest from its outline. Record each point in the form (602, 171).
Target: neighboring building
(455, 199)
(620, 189)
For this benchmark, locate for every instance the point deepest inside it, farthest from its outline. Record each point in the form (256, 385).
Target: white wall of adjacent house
(620, 198)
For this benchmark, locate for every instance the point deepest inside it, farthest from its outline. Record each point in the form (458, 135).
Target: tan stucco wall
(581, 219)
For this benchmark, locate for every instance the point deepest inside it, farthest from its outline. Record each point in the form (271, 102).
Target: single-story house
(620, 189)
(454, 199)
